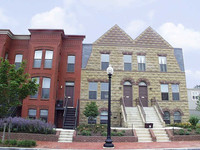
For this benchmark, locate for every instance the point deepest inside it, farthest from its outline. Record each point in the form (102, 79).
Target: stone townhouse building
(148, 77)
(54, 60)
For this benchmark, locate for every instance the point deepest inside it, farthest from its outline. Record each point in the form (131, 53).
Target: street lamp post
(108, 141)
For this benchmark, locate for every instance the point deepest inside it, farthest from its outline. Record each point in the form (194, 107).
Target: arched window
(166, 117)
(142, 84)
(127, 83)
(177, 117)
(104, 117)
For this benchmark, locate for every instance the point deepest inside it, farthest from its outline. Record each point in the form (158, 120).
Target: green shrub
(26, 143)
(13, 142)
(197, 130)
(86, 133)
(123, 131)
(189, 129)
(181, 132)
(0, 142)
(194, 120)
(187, 133)
(104, 134)
(120, 134)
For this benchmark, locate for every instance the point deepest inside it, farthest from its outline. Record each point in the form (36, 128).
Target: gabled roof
(150, 38)
(114, 37)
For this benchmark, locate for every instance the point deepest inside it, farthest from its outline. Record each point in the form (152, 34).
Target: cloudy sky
(178, 21)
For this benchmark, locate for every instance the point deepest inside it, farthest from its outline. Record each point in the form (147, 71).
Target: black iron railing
(77, 112)
(65, 109)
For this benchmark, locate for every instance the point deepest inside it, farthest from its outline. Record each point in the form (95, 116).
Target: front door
(69, 93)
(128, 98)
(143, 94)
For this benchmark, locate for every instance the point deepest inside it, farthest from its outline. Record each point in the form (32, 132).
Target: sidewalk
(135, 145)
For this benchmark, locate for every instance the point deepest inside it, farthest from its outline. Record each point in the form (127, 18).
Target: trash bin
(148, 125)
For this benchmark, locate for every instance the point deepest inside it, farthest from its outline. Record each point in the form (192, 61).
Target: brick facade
(62, 46)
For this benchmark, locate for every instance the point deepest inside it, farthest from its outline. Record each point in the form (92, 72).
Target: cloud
(180, 36)
(3, 17)
(151, 14)
(57, 18)
(193, 77)
(109, 5)
(134, 28)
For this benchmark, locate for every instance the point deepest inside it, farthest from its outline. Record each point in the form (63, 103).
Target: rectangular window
(175, 91)
(37, 81)
(70, 63)
(6, 56)
(104, 117)
(104, 90)
(141, 63)
(32, 113)
(164, 92)
(46, 88)
(163, 63)
(18, 60)
(127, 62)
(44, 114)
(104, 61)
(37, 59)
(48, 59)
(92, 90)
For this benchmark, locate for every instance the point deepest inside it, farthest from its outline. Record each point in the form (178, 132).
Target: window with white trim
(70, 63)
(37, 59)
(46, 88)
(32, 113)
(104, 61)
(18, 60)
(164, 91)
(37, 82)
(177, 117)
(104, 90)
(104, 117)
(127, 62)
(141, 63)
(48, 59)
(163, 63)
(44, 114)
(175, 91)
(93, 90)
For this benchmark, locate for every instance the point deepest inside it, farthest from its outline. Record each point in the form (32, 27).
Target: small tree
(194, 120)
(15, 85)
(91, 110)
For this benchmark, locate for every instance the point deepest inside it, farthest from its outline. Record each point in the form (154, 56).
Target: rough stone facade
(116, 43)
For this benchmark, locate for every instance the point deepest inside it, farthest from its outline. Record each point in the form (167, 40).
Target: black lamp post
(108, 141)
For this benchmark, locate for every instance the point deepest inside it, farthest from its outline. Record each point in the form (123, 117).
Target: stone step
(65, 139)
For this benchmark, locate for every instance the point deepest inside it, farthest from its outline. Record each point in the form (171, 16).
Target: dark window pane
(104, 65)
(177, 121)
(127, 67)
(91, 120)
(104, 94)
(92, 95)
(70, 67)
(37, 63)
(163, 67)
(34, 96)
(45, 93)
(175, 96)
(165, 96)
(17, 65)
(103, 121)
(141, 67)
(48, 63)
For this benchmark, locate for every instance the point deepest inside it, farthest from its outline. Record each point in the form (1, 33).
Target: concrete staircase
(133, 118)
(143, 135)
(152, 117)
(161, 135)
(66, 135)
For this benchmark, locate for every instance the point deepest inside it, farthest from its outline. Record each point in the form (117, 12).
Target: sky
(177, 21)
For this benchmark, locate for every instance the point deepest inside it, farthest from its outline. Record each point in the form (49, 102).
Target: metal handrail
(76, 114)
(142, 109)
(65, 109)
(124, 108)
(155, 102)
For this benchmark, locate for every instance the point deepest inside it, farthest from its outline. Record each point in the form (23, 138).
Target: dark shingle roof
(86, 52)
(179, 57)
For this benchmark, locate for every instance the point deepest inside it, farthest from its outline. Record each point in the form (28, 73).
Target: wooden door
(69, 93)
(128, 98)
(143, 95)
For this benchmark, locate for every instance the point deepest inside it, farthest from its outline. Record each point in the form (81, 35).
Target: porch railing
(155, 102)
(124, 108)
(142, 108)
(65, 109)
(77, 112)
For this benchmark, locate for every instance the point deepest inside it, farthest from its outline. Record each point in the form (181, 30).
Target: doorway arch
(128, 94)
(143, 93)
